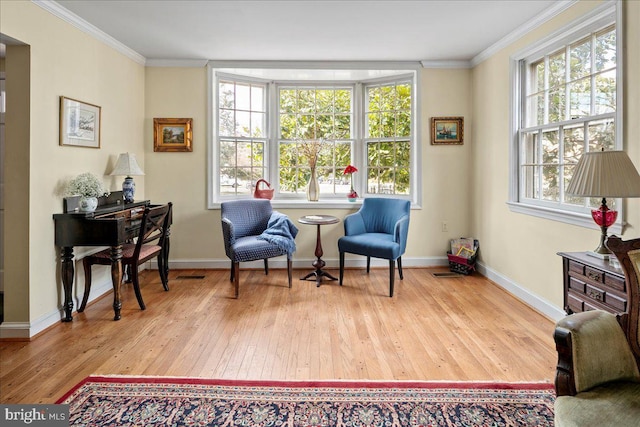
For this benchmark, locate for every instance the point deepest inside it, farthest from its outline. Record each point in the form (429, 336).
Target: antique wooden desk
(112, 224)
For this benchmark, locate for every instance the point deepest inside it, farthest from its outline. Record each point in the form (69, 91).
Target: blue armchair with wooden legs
(252, 230)
(379, 230)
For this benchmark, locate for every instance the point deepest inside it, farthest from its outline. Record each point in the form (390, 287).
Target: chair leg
(163, 272)
(236, 277)
(87, 284)
(232, 272)
(391, 276)
(289, 271)
(266, 267)
(400, 267)
(341, 267)
(136, 286)
(368, 264)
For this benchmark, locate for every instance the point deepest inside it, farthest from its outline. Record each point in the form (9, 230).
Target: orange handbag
(263, 193)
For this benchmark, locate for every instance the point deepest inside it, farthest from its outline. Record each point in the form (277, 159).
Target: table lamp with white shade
(604, 174)
(128, 166)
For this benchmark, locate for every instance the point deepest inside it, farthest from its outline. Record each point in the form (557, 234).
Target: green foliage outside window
(563, 96)
(388, 138)
(314, 113)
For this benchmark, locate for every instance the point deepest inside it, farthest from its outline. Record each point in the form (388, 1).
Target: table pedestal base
(318, 273)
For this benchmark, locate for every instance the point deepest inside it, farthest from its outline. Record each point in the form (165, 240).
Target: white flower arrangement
(86, 185)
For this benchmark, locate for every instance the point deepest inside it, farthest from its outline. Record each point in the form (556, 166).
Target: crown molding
(178, 63)
(73, 19)
(56, 9)
(446, 64)
(512, 37)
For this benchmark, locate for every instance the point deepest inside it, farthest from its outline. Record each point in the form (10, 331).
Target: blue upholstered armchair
(252, 230)
(379, 229)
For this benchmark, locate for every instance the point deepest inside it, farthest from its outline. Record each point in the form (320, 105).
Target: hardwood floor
(464, 328)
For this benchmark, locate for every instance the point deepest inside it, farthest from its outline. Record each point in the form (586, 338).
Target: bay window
(261, 119)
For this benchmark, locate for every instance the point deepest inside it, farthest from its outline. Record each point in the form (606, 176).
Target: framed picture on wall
(447, 130)
(172, 135)
(79, 123)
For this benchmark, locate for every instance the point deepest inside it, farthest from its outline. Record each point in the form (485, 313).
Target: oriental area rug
(168, 401)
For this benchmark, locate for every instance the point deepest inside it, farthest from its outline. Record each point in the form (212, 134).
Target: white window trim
(213, 198)
(608, 11)
(295, 197)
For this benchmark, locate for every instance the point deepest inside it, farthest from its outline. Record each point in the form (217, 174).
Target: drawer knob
(593, 276)
(595, 295)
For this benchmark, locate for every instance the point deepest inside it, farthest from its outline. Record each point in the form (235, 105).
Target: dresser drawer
(594, 274)
(575, 303)
(576, 267)
(579, 303)
(620, 304)
(576, 284)
(588, 306)
(616, 283)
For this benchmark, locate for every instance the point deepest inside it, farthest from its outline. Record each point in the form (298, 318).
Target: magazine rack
(464, 261)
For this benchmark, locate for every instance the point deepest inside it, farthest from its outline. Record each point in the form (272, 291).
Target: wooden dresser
(591, 283)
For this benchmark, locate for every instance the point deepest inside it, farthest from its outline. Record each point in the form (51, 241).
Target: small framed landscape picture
(447, 130)
(172, 135)
(79, 123)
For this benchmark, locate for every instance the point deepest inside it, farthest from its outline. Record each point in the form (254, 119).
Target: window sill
(305, 204)
(573, 218)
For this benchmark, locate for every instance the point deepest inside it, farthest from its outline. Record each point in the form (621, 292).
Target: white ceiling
(309, 30)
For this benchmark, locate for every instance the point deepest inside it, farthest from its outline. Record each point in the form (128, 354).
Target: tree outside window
(261, 126)
(316, 113)
(570, 109)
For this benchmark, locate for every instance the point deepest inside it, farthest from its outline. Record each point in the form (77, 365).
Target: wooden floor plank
(464, 328)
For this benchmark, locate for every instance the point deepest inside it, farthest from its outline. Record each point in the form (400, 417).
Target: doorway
(3, 104)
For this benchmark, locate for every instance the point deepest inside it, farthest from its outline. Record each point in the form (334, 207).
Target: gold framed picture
(172, 135)
(79, 123)
(447, 130)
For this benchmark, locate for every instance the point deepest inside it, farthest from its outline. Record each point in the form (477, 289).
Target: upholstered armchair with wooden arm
(597, 378)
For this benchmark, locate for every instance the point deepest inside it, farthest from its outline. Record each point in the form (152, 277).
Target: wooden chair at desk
(150, 243)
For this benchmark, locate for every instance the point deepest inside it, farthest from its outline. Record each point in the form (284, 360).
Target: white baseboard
(529, 298)
(15, 330)
(27, 330)
(281, 262)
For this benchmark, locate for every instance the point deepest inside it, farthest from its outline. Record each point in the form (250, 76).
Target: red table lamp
(604, 174)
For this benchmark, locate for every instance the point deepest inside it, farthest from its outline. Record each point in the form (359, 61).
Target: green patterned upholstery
(615, 404)
(601, 352)
(598, 376)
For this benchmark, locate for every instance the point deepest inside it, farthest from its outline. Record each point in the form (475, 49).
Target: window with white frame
(565, 104)
(388, 137)
(241, 136)
(319, 113)
(260, 127)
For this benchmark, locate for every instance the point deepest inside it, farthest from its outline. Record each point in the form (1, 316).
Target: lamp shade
(605, 174)
(127, 165)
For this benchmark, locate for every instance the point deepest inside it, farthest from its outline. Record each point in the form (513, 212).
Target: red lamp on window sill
(604, 174)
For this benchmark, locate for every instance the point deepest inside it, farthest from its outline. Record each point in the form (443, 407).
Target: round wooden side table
(318, 220)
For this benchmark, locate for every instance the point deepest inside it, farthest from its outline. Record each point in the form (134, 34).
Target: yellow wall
(519, 246)
(63, 61)
(181, 177)
(466, 186)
